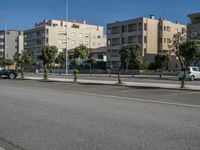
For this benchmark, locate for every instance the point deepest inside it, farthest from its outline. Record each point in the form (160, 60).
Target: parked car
(192, 73)
(11, 74)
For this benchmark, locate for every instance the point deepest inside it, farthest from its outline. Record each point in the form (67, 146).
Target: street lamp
(66, 17)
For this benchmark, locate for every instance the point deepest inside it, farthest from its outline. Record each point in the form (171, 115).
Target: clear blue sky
(22, 14)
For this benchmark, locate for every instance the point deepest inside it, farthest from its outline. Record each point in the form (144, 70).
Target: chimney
(152, 17)
(84, 21)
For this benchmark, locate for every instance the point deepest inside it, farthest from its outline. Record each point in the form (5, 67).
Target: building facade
(194, 25)
(11, 41)
(153, 36)
(64, 35)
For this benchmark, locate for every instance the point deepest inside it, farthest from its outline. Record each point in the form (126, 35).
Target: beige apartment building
(194, 25)
(64, 35)
(153, 36)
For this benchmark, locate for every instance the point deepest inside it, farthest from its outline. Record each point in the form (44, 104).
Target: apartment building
(64, 35)
(11, 41)
(153, 36)
(194, 25)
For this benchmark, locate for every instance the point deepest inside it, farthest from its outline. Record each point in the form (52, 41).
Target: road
(38, 115)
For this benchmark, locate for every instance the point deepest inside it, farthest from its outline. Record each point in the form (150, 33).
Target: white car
(192, 73)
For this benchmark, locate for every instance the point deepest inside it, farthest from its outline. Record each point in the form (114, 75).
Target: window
(145, 50)
(116, 30)
(109, 31)
(160, 40)
(165, 28)
(168, 29)
(194, 69)
(80, 42)
(164, 40)
(115, 41)
(87, 35)
(124, 28)
(132, 27)
(145, 27)
(86, 43)
(114, 53)
(145, 39)
(140, 26)
(81, 35)
(47, 40)
(168, 41)
(123, 40)
(93, 44)
(161, 28)
(109, 42)
(47, 31)
(139, 38)
(132, 39)
(98, 36)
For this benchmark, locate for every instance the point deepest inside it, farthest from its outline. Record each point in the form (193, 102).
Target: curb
(124, 85)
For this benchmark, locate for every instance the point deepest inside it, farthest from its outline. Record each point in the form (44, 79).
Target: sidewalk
(130, 84)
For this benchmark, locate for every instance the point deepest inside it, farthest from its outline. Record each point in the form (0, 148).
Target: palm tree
(80, 52)
(48, 56)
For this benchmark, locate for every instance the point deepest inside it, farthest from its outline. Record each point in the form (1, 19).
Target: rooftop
(197, 14)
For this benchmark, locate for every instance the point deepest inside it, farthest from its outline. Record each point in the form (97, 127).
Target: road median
(114, 83)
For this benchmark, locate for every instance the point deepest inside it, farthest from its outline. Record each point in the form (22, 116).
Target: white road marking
(134, 99)
(175, 94)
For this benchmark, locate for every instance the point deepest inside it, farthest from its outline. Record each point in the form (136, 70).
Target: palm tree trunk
(119, 72)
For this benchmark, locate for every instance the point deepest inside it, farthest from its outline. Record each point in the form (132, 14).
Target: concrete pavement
(131, 84)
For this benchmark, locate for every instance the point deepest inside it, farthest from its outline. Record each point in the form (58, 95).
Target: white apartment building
(64, 35)
(11, 41)
(153, 36)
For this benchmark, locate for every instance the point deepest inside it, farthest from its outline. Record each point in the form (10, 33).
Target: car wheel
(192, 78)
(11, 76)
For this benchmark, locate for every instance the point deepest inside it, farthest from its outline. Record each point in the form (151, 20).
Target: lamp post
(66, 18)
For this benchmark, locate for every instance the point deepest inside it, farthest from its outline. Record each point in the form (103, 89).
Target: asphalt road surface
(37, 115)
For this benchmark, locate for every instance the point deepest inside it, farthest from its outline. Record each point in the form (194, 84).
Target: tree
(7, 62)
(81, 52)
(124, 59)
(23, 60)
(174, 46)
(61, 59)
(91, 61)
(48, 57)
(189, 52)
(161, 61)
(135, 59)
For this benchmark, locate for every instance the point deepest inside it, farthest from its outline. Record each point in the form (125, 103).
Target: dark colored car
(11, 74)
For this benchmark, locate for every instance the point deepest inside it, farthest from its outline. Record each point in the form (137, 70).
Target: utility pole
(5, 42)
(66, 18)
